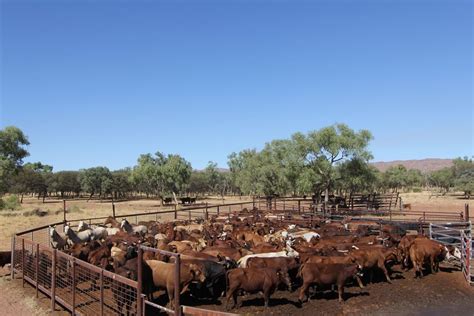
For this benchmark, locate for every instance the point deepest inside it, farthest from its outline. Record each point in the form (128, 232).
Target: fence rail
(85, 289)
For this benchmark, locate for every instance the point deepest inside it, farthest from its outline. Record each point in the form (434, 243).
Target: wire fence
(85, 289)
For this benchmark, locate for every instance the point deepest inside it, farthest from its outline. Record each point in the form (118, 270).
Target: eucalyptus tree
(13, 144)
(323, 149)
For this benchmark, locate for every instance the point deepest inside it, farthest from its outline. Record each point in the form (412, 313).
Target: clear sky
(100, 82)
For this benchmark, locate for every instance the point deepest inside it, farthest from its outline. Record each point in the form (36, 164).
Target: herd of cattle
(250, 253)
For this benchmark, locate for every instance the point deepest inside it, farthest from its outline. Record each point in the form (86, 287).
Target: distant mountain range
(424, 165)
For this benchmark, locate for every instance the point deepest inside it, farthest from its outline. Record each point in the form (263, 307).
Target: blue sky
(100, 82)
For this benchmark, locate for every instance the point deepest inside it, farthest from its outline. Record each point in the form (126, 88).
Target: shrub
(11, 202)
(36, 212)
(417, 190)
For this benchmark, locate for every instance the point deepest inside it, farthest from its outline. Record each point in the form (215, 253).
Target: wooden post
(253, 202)
(175, 212)
(23, 260)
(299, 206)
(177, 290)
(12, 265)
(53, 281)
(64, 210)
(113, 209)
(101, 282)
(139, 281)
(37, 270)
(217, 210)
(466, 212)
(207, 213)
(73, 286)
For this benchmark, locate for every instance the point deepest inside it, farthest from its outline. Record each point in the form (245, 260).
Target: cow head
(197, 273)
(51, 230)
(453, 252)
(81, 227)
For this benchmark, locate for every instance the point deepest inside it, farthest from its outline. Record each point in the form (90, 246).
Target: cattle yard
(86, 289)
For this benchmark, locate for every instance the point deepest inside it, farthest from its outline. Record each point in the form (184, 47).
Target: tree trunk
(21, 199)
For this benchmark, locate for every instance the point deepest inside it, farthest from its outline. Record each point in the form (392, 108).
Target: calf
(326, 274)
(336, 260)
(427, 251)
(164, 277)
(253, 280)
(374, 257)
(283, 264)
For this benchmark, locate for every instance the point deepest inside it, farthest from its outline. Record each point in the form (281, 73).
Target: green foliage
(463, 170)
(96, 180)
(161, 174)
(443, 178)
(12, 152)
(65, 182)
(10, 202)
(356, 175)
(302, 164)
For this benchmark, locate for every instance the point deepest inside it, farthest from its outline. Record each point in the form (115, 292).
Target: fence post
(299, 206)
(12, 266)
(113, 209)
(102, 292)
(253, 202)
(53, 281)
(431, 229)
(23, 260)
(64, 211)
(400, 206)
(217, 210)
(390, 212)
(207, 213)
(466, 212)
(139, 280)
(175, 212)
(37, 269)
(177, 290)
(73, 286)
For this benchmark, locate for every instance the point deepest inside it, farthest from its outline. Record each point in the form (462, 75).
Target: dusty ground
(444, 293)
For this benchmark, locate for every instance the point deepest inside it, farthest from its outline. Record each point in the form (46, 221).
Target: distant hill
(425, 165)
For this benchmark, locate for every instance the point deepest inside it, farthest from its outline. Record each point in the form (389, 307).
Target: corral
(83, 288)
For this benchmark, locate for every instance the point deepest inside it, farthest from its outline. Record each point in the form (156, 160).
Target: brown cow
(164, 277)
(283, 264)
(427, 251)
(375, 257)
(253, 280)
(336, 260)
(404, 246)
(326, 274)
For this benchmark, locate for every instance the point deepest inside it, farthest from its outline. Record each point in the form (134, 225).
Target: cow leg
(384, 269)
(266, 296)
(340, 291)
(232, 292)
(303, 292)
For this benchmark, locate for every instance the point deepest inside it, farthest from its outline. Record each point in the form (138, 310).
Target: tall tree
(97, 180)
(12, 153)
(325, 148)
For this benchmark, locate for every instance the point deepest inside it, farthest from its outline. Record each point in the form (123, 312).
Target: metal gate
(458, 235)
(467, 258)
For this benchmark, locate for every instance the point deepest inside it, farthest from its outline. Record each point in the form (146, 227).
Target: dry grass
(23, 219)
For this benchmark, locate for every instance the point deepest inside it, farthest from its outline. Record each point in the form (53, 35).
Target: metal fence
(85, 289)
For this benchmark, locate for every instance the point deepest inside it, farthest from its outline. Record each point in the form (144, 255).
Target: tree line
(330, 160)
